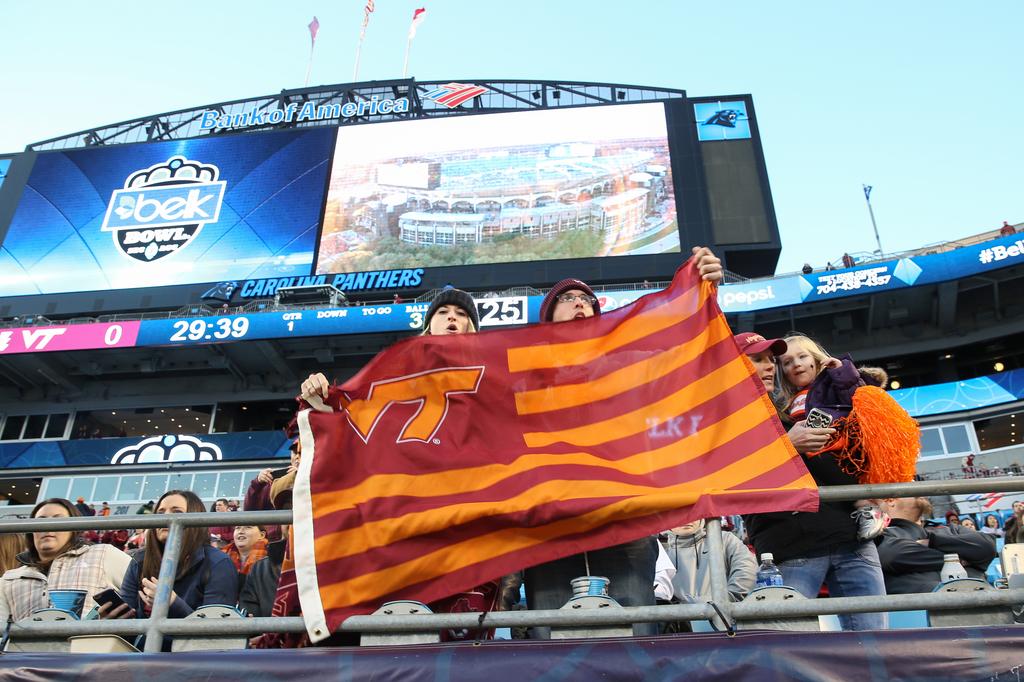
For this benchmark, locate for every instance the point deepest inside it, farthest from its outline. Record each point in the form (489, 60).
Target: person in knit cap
(630, 566)
(453, 311)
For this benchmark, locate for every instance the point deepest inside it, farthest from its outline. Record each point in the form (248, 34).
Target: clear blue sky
(922, 100)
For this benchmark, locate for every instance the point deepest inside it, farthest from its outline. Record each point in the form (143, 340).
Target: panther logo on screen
(726, 118)
(161, 209)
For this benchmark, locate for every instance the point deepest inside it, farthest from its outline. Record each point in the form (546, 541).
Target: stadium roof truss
(500, 96)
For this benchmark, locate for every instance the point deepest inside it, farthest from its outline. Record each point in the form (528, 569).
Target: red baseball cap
(751, 343)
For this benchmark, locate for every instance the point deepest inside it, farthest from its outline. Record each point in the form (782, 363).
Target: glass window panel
(205, 486)
(155, 486)
(931, 443)
(131, 486)
(179, 482)
(55, 427)
(56, 487)
(12, 427)
(230, 482)
(82, 487)
(956, 438)
(34, 428)
(106, 488)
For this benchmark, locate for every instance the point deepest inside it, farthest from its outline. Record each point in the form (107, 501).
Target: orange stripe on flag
(471, 479)
(369, 586)
(625, 379)
(639, 420)
(572, 353)
(373, 534)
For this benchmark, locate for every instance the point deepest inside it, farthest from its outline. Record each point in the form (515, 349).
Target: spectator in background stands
(1007, 229)
(58, 560)
(807, 269)
(83, 508)
(968, 522)
(1013, 525)
(912, 555)
(105, 511)
(952, 518)
(991, 526)
(11, 545)
(223, 533)
(848, 261)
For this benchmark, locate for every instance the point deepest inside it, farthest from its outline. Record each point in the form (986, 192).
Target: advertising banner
(166, 213)
(524, 186)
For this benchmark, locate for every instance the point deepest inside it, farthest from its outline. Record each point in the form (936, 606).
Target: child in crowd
(875, 440)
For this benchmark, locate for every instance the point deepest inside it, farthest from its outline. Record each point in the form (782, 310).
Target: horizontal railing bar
(245, 518)
(935, 601)
(930, 601)
(835, 493)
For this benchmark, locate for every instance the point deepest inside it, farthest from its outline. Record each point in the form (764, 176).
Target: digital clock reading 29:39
(199, 330)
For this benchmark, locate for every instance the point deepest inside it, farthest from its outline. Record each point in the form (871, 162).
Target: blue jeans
(629, 568)
(850, 570)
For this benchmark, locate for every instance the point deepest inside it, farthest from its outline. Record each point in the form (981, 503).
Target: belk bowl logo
(162, 208)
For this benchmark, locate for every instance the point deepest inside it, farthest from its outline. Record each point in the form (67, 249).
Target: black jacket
(910, 566)
(260, 587)
(791, 535)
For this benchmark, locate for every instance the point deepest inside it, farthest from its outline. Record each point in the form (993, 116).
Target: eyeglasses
(572, 298)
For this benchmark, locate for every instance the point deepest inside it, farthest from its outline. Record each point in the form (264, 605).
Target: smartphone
(818, 419)
(278, 473)
(109, 596)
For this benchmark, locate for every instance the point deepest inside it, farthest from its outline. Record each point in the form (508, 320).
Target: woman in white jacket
(58, 560)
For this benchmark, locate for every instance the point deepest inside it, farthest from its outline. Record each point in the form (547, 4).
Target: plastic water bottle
(768, 574)
(952, 569)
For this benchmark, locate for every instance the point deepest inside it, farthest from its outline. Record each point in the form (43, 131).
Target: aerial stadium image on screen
(500, 188)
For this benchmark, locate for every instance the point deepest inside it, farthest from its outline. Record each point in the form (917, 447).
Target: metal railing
(158, 624)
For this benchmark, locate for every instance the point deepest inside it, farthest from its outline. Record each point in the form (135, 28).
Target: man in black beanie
(629, 567)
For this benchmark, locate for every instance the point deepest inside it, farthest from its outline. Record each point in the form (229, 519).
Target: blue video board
(722, 120)
(166, 213)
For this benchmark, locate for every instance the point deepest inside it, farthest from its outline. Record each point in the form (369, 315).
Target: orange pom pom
(890, 438)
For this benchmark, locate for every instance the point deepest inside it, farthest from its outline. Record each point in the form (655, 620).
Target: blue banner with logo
(165, 213)
(162, 449)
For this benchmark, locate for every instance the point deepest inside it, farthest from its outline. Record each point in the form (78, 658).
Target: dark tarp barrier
(981, 653)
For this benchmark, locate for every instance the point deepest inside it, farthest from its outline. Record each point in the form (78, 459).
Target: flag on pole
(314, 28)
(450, 461)
(417, 18)
(867, 192)
(367, 11)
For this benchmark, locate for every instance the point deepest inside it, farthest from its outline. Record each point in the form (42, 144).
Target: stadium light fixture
(999, 367)
(895, 384)
(535, 94)
(557, 94)
(620, 95)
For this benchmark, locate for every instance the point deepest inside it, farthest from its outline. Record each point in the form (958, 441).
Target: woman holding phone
(205, 575)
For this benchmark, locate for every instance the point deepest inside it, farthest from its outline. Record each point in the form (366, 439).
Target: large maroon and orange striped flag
(453, 460)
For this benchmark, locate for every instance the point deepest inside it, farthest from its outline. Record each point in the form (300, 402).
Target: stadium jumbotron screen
(165, 213)
(525, 186)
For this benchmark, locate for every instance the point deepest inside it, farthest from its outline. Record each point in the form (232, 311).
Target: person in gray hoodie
(688, 552)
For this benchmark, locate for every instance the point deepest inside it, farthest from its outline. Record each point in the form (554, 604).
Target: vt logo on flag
(450, 461)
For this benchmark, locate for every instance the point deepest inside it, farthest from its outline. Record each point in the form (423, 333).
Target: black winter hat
(455, 297)
(547, 306)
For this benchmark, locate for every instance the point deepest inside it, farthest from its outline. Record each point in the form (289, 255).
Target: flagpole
(359, 53)
(405, 64)
(867, 198)
(309, 66)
